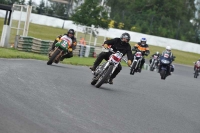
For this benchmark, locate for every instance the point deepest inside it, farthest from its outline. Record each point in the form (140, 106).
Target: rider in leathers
(117, 44)
(144, 48)
(70, 34)
(170, 68)
(195, 64)
(152, 56)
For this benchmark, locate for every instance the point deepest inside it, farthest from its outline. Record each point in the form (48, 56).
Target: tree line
(165, 18)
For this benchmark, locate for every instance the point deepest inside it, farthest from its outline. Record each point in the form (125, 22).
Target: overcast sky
(36, 1)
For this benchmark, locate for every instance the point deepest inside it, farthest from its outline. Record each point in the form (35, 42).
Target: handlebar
(111, 50)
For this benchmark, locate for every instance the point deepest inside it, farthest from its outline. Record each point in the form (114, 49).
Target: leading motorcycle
(103, 72)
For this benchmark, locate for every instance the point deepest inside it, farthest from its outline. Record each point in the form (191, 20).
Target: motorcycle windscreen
(138, 55)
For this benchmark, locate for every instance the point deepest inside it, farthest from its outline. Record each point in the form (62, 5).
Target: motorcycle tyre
(195, 74)
(106, 73)
(132, 71)
(50, 61)
(163, 74)
(151, 68)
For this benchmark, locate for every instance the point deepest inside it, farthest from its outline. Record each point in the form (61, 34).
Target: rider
(170, 67)
(144, 48)
(70, 34)
(155, 54)
(117, 44)
(196, 63)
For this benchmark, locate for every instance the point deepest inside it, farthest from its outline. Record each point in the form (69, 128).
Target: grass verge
(182, 57)
(13, 53)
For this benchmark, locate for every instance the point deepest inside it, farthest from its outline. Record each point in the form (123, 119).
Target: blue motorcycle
(165, 64)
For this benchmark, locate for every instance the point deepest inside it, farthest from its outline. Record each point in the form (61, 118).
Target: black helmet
(126, 36)
(71, 31)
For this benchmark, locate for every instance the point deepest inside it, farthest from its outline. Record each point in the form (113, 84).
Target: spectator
(82, 41)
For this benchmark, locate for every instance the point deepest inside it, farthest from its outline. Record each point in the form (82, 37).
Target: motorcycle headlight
(165, 61)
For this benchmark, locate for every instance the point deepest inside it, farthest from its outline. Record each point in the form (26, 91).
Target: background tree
(91, 13)
(41, 8)
(60, 10)
(157, 17)
(9, 2)
(30, 2)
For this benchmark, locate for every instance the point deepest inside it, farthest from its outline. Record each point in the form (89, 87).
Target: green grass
(13, 53)
(49, 33)
(45, 32)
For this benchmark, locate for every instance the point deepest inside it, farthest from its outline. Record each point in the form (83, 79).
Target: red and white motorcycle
(196, 69)
(103, 72)
(137, 58)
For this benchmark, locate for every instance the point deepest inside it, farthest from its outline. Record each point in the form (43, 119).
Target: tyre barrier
(35, 45)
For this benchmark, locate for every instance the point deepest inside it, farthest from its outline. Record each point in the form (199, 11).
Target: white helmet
(168, 48)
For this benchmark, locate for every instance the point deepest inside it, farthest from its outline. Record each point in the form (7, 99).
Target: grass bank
(12, 53)
(49, 33)
(182, 57)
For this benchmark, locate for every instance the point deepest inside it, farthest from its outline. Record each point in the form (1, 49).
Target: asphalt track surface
(36, 98)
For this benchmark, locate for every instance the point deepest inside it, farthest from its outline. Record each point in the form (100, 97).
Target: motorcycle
(165, 64)
(61, 48)
(197, 69)
(154, 63)
(136, 62)
(103, 72)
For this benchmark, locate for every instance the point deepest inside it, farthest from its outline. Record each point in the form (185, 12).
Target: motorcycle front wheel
(151, 68)
(152, 65)
(52, 58)
(196, 74)
(163, 74)
(104, 76)
(132, 71)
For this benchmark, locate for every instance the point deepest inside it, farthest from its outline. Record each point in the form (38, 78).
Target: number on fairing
(64, 43)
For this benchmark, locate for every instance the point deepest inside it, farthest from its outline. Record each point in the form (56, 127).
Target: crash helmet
(143, 41)
(125, 36)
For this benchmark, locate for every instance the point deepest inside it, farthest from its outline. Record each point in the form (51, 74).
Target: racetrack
(36, 98)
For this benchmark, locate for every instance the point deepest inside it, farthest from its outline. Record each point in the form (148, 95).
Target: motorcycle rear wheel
(50, 61)
(104, 76)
